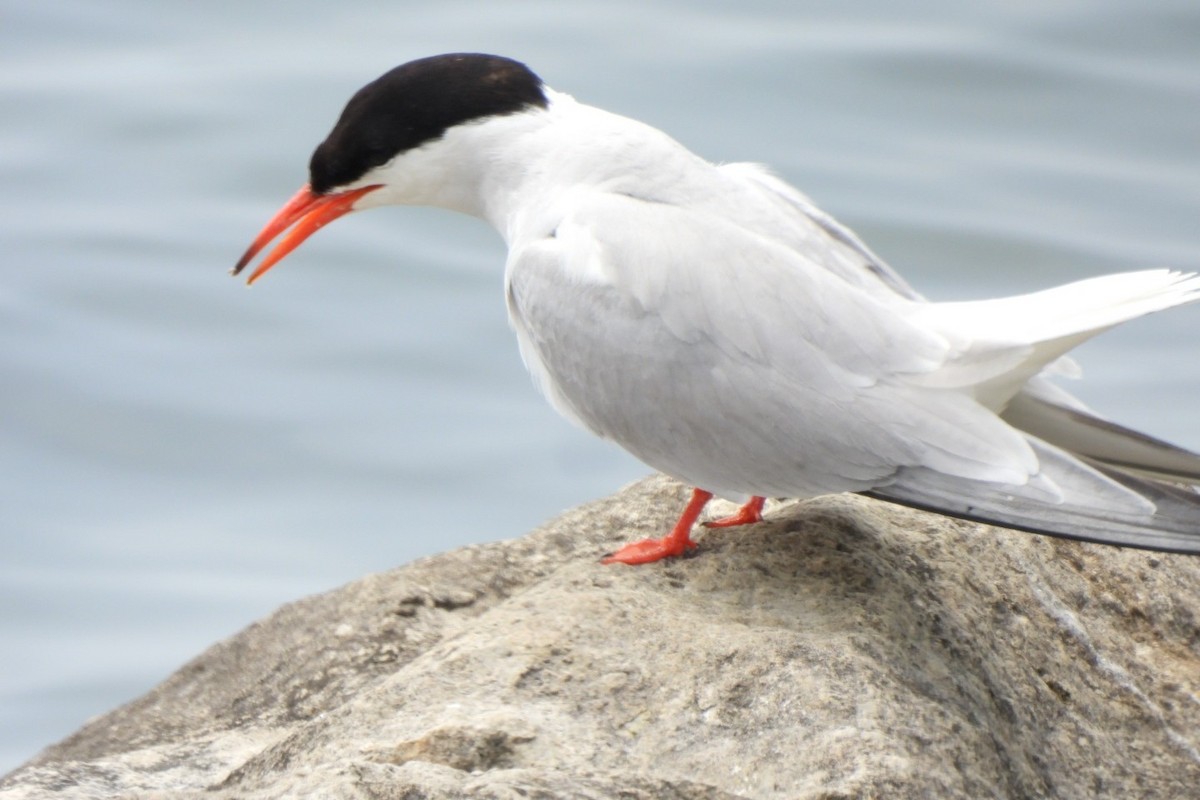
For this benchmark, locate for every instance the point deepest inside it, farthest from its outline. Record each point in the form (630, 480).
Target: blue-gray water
(180, 455)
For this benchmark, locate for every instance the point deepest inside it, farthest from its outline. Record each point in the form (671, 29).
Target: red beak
(309, 212)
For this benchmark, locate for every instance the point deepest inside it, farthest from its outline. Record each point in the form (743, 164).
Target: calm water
(180, 455)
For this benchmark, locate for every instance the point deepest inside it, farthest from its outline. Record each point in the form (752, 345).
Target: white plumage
(716, 324)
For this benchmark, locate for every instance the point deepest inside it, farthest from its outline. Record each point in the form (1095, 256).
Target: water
(180, 455)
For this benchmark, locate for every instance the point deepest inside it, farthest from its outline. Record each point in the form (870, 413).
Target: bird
(716, 324)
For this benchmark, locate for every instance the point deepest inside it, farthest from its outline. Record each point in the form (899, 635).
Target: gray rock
(844, 648)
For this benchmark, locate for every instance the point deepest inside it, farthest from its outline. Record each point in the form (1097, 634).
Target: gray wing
(1047, 411)
(783, 351)
(814, 234)
(1100, 503)
(1120, 486)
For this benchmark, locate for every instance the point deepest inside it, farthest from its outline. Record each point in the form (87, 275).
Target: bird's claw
(748, 514)
(650, 550)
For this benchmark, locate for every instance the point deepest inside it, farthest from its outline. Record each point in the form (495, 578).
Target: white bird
(723, 329)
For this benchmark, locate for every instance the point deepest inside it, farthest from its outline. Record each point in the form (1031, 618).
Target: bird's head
(389, 145)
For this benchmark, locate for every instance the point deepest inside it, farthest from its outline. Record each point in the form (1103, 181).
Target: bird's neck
(523, 172)
(530, 166)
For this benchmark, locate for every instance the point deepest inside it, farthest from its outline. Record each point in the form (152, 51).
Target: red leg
(675, 543)
(746, 515)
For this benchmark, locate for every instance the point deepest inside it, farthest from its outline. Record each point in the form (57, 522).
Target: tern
(716, 324)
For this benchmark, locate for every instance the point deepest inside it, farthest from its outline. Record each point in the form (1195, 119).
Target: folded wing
(1099, 503)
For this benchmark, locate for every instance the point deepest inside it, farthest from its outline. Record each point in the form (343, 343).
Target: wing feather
(1099, 504)
(724, 358)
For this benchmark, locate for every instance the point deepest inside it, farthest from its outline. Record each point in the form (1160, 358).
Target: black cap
(417, 103)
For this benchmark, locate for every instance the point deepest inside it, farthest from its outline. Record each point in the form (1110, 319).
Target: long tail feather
(1014, 338)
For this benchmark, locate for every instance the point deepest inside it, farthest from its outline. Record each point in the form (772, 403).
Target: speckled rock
(843, 648)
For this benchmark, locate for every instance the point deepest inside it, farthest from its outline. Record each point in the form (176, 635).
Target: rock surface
(843, 648)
